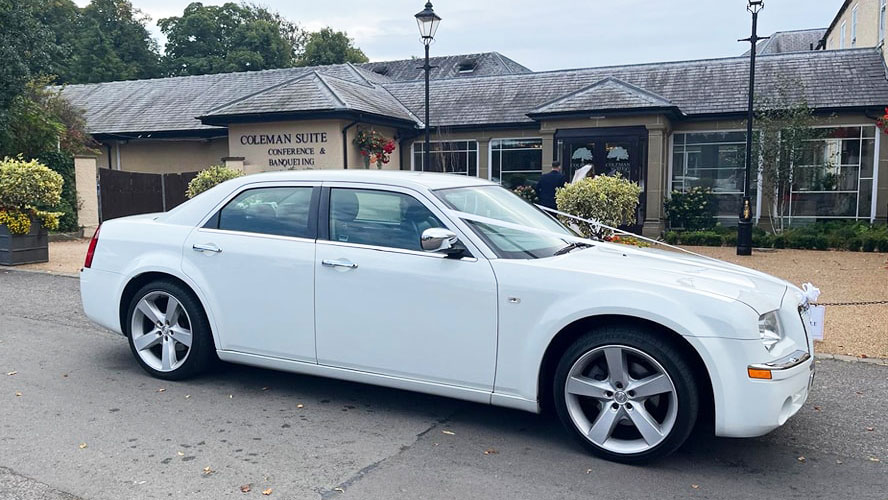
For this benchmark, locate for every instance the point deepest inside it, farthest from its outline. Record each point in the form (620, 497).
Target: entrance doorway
(605, 151)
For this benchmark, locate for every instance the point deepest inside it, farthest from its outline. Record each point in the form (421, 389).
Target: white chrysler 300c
(453, 286)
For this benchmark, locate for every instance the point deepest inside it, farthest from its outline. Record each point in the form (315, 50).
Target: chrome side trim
(785, 363)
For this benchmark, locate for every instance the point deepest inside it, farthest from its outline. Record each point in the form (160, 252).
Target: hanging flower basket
(374, 147)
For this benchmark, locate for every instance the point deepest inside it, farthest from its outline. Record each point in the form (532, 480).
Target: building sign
(289, 150)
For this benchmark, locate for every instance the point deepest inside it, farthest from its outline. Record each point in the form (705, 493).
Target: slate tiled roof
(835, 79)
(316, 91)
(790, 41)
(485, 64)
(607, 93)
(827, 79)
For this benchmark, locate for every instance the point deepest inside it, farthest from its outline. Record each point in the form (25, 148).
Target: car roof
(403, 178)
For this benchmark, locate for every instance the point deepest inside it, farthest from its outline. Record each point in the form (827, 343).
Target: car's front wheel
(627, 393)
(168, 331)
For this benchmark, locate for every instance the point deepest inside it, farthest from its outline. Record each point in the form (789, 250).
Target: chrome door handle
(339, 263)
(206, 247)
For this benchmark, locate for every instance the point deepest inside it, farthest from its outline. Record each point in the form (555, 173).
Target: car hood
(758, 290)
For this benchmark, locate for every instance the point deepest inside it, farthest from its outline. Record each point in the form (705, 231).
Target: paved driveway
(90, 424)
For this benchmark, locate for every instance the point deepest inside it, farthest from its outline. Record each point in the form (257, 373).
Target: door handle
(206, 247)
(339, 263)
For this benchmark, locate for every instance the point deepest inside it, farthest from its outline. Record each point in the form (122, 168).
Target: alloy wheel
(161, 331)
(621, 399)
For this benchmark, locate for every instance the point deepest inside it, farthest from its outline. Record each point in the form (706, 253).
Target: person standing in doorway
(547, 185)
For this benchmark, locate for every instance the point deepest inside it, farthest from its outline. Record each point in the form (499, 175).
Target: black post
(744, 226)
(427, 152)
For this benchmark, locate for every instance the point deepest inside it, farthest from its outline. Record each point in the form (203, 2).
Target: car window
(380, 218)
(282, 211)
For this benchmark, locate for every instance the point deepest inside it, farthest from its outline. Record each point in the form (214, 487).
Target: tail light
(92, 249)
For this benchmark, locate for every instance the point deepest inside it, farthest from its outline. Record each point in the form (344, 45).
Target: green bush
(854, 243)
(63, 164)
(869, 244)
(702, 238)
(759, 240)
(692, 210)
(210, 177)
(671, 237)
(612, 200)
(882, 244)
(25, 187)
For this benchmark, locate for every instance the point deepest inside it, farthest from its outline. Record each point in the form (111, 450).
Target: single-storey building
(668, 126)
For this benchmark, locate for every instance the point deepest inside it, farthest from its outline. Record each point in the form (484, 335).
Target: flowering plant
(627, 240)
(374, 147)
(25, 186)
(882, 122)
(528, 193)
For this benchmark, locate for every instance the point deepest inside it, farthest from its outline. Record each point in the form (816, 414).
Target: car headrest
(344, 206)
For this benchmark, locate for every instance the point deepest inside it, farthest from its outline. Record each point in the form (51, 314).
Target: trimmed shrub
(869, 244)
(702, 238)
(692, 210)
(612, 200)
(882, 244)
(671, 237)
(210, 177)
(63, 164)
(25, 186)
(854, 244)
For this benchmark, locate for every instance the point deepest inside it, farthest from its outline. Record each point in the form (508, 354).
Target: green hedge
(63, 163)
(839, 235)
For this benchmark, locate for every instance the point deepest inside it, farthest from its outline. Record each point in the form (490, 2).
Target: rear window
(281, 211)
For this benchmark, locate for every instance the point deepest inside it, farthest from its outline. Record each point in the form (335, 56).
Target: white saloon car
(453, 286)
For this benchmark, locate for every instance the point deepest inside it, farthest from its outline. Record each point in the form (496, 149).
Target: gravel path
(841, 276)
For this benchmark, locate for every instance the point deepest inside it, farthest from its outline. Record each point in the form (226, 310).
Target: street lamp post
(744, 227)
(428, 22)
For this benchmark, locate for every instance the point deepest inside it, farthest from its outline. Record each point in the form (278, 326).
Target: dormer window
(467, 66)
(381, 70)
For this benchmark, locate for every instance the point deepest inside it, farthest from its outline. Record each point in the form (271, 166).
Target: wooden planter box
(28, 248)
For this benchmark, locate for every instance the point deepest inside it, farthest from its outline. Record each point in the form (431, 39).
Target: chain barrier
(863, 303)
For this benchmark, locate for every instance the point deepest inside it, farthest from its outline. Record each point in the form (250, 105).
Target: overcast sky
(544, 34)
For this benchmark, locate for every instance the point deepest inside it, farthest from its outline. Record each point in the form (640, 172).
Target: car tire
(168, 331)
(626, 393)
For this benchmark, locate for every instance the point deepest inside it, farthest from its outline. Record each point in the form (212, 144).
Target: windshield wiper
(571, 246)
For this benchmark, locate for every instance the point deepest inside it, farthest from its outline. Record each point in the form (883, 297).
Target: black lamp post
(744, 227)
(428, 22)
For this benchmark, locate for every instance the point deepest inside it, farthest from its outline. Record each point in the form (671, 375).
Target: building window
(854, 26)
(882, 9)
(836, 177)
(516, 162)
(713, 160)
(842, 36)
(454, 157)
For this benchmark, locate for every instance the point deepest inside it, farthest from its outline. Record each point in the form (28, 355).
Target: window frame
(490, 154)
(472, 248)
(854, 26)
(206, 224)
(439, 141)
(842, 32)
(758, 181)
(883, 7)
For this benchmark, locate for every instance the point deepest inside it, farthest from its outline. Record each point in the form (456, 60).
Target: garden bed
(855, 237)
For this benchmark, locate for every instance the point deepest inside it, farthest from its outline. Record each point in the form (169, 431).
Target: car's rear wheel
(626, 393)
(168, 331)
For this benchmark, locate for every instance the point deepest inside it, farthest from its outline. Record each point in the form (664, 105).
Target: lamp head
(755, 6)
(428, 22)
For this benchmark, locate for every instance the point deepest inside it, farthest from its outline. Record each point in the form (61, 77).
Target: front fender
(546, 307)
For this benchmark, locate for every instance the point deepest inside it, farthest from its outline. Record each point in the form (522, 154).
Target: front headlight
(769, 329)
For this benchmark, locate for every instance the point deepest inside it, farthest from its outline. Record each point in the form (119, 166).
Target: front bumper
(748, 407)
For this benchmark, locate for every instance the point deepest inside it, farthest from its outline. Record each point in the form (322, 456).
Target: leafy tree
(784, 123)
(330, 47)
(230, 37)
(113, 44)
(41, 120)
(27, 48)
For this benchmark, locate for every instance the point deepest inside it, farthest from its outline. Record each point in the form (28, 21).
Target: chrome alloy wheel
(161, 331)
(621, 399)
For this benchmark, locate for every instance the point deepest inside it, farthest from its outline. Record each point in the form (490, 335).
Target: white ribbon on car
(812, 293)
(567, 237)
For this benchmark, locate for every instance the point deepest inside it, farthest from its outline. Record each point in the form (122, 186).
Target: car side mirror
(440, 240)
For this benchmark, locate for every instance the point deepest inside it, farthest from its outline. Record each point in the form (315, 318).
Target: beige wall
(163, 156)
(309, 144)
(867, 25)
(85, 183)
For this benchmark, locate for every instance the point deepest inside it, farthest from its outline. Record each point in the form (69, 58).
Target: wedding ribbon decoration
(812, 293)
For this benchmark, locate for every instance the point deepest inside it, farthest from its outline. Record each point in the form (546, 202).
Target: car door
(384, 306)
(254, 262)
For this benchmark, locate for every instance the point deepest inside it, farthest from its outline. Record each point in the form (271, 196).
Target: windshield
(500, 204)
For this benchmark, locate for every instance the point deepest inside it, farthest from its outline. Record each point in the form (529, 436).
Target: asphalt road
(88, 423)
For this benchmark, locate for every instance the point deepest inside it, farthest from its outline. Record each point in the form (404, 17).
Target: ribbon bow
(811, 292)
